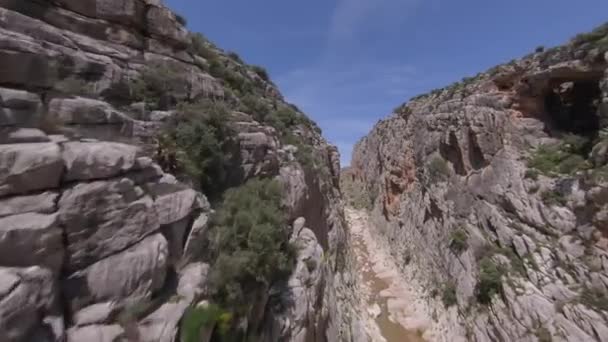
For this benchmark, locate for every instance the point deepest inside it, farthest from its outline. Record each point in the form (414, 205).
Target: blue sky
(348, 63)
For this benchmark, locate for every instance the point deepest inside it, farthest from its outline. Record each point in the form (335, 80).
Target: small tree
(199, 144)
(250, 239)
(490, 280)
(260, 71)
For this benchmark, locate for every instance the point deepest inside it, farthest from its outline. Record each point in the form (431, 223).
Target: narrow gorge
(155, 187)
(491, 197)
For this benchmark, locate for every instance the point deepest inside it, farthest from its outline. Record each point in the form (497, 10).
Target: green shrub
(438, 170)
(553, 197)
(543, 335)
(564, 158)
(199, 45)
(532, 174)
(256, 106)
(157, 82)
(198, 143)
(576, 144)
(594, 298)
(260, 71)
(458, 241)
(539, 49)
(199, 317)
(311, 265)
(181, 19)
(489, 282)
(235, 56)
(572, 164)
(250, 239)
(597, 34)
(448, 295)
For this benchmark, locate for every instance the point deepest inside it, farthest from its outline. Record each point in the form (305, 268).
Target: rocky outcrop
(471, 191)
(83, 238)
(116, 247)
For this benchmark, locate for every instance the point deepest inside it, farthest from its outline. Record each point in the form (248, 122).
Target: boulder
(22, 135)
(95, 160)
(172, 202)
(38, 234)
(29, 167)
(95, 333)
(27, 300)
(84, 111)
(100, 313)
(43, 203)
(104, 217)
(135, 273)
(162, 325)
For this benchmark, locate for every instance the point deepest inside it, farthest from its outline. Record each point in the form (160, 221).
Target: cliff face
(97, 242)
(491, 195)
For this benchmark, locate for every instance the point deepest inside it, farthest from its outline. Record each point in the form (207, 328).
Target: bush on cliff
(250, 239)
(567, 157)
(437, 170)
(158, 86)
(210, 317)
(490, 280)
(199, 45)
(198, 143)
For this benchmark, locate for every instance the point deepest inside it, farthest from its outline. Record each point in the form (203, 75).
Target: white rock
(86, 161)
(29, 167)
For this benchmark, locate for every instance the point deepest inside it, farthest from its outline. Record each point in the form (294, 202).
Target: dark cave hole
(573, 107)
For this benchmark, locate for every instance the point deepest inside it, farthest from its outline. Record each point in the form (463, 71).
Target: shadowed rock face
(456, 160)
(96, 241)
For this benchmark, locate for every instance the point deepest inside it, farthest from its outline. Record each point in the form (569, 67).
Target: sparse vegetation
(594, 298)
(437, 170)
(532, 174)
(448, 295)
(199, 45)
(553, 197)
(458, 241)
(235, 56)
(539, 49)
(596, 38)
(568, 157)
(250, 239)
(159, 86)
(490, 280)
(260, 71)
(543, 335)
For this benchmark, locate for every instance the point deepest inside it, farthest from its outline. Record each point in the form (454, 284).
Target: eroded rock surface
(465, 194)
(119, 245)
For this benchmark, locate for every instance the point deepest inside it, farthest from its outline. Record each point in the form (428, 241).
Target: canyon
(155, 187)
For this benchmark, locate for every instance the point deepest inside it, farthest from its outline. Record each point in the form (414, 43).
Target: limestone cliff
(97, 241)
(492, 196)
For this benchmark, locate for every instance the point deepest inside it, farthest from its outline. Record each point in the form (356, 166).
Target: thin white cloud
(351, 17)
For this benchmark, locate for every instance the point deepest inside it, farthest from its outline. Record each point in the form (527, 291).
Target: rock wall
(89, 229)
(459, 198)
(97, 243)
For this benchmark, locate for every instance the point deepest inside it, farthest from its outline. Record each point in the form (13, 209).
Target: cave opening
(573, 107)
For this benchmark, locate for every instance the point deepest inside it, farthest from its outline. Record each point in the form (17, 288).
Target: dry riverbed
(386, 296)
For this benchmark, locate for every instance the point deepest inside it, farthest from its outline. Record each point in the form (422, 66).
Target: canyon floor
(388, 301)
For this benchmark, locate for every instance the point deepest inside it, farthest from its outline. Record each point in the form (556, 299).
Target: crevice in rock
(433, 212)
(476, 158)
(451, 151)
